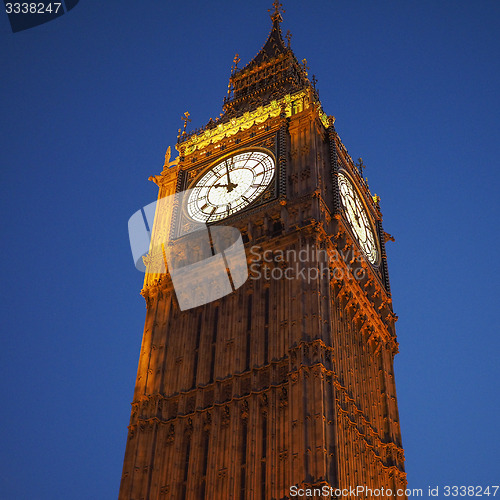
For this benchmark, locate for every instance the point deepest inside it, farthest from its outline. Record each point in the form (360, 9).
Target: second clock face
(357, 217)
(230, 186)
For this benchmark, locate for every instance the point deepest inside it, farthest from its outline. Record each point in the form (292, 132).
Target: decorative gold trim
(248, 120)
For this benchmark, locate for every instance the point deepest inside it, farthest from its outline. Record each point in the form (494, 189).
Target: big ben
(284, 386)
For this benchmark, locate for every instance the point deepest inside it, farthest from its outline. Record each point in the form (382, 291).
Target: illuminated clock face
(358, 218)
(230, 186)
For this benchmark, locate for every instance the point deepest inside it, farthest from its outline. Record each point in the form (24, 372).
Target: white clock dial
(358, 218)
(230, 185)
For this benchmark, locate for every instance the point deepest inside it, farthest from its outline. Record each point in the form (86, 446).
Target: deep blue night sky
(89, 104)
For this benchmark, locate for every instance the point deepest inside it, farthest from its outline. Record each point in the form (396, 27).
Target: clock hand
(211, 213)
(230, 186)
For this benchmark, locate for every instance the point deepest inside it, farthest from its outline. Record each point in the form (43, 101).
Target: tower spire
(276, 13)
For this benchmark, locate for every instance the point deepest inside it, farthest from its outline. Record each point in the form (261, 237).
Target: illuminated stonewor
(289, 379)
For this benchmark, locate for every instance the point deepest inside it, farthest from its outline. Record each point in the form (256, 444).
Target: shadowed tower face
(288, 380)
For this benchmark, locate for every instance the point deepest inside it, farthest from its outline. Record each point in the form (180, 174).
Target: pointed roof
(273, 73)
(273, 47)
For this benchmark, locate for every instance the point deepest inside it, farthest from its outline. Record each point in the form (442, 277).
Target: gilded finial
(236, 60)
(169, 163)
(168, 154)
(185, 119)
(276, 13)
(361, 166)
(314, 81)
(305, 67)
(288, 37)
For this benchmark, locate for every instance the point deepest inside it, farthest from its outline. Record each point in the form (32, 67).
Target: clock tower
(285, 385)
